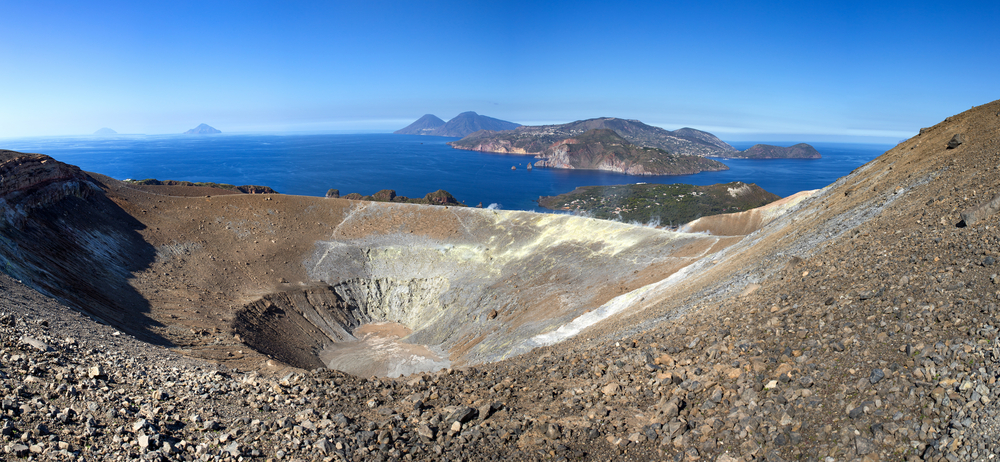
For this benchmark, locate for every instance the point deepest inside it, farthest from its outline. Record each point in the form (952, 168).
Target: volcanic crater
(244, 278)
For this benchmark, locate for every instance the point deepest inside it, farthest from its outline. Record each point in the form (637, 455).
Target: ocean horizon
(411, 165)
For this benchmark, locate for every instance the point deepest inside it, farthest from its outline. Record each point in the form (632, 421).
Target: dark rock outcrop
(256, 189)
(980, 212)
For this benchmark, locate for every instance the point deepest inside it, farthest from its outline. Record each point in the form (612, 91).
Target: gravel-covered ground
(863, 327)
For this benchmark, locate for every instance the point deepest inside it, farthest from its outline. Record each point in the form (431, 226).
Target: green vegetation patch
(246, 189)
(667, 204)
(439, 197)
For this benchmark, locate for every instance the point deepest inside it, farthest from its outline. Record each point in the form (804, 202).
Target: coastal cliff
(603, 149)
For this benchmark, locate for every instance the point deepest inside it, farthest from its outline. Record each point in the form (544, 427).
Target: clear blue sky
(846, 70)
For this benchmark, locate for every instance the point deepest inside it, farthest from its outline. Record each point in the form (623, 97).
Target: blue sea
(411, 165)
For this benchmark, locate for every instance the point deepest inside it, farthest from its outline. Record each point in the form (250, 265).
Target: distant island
(669, 204)
(536, 139)
(202, 129)
(462, 125)
(767, 151)
(425, 125)
(105, 132)
(604, 149)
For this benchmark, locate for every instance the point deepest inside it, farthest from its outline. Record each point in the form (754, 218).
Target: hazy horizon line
(737, 138)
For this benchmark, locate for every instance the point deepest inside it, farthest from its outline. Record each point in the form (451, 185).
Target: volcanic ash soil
(860, 325)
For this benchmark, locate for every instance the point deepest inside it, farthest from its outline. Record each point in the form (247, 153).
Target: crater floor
(295, 277)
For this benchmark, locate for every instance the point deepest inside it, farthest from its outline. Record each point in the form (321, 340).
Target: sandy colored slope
(474, 285)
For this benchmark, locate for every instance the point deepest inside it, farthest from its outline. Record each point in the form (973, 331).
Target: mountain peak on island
(462, 125)
(105, 131)
(423, 125)
(202, 129)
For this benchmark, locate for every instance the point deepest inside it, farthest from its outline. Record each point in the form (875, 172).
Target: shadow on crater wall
(62, 236)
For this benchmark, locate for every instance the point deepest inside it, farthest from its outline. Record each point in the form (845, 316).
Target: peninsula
(535, 139)
(666, 204)
(462, 125)
(603, 149)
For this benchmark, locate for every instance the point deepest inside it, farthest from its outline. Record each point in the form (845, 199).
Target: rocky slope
(603, 149)
(767, 151)
(535, 139)
(859, 324)
(461, 125)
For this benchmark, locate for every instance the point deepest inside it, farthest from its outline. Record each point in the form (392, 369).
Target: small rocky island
(767, 151)
(202, 129)
(668, 205)
(105, 132)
